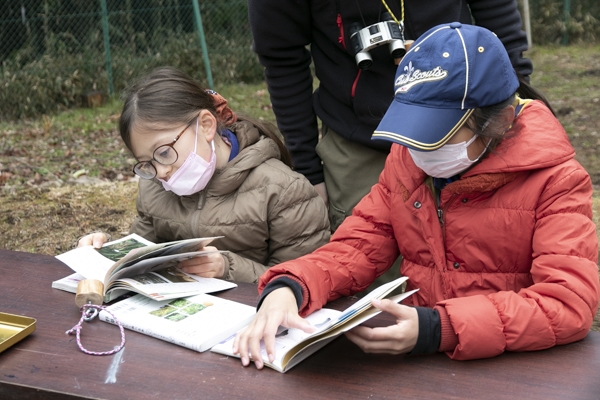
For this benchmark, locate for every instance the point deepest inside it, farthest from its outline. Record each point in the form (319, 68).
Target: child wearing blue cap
(483, 199)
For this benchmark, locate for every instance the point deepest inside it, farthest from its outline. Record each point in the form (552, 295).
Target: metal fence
(61, 47)
(53, 50)
(561, 21)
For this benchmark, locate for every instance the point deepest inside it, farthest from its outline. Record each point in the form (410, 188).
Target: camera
(385, 32)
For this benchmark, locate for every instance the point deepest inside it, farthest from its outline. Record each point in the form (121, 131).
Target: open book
(135, 264)
(197, 322)
(293, 345)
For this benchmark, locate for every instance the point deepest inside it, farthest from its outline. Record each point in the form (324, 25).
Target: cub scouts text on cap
(447, 73)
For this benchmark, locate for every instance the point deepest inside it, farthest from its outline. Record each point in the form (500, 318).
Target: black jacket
(288, 34)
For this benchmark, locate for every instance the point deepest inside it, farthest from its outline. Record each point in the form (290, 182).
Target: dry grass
(49, 220)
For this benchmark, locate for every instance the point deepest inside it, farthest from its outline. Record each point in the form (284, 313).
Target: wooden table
(48, 365)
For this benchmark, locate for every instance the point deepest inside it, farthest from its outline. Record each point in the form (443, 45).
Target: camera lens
(363, 60)
(396, 51)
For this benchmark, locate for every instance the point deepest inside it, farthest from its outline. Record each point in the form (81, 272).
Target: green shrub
(55, 81)
(549, 25)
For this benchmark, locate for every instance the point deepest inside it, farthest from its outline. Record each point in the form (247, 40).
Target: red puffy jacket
(511, 263)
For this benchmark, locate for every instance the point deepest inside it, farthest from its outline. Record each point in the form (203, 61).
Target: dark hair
(167, 97)
(483, 123)
(526, 91)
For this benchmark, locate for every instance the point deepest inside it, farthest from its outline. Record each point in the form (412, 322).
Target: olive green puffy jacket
(265, 212)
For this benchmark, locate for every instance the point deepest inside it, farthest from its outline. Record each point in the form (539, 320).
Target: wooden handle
(89, 291)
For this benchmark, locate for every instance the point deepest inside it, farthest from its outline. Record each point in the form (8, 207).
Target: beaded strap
(86, 316)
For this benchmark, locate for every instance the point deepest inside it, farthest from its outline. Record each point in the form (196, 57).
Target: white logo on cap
(413, 77)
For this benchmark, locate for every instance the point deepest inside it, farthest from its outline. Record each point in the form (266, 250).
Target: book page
(154, 264)
(171, 283)
(195, 322)
(285, 339)
(154, 251)
(334, 330)
(293, 345)
(365, 302)
(94, 263)
(68, 283)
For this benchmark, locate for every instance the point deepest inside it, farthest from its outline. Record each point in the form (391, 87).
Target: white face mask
(445, 162)
(194, 174)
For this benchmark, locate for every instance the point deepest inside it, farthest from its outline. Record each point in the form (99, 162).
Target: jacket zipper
(438, 201)
(441, 210)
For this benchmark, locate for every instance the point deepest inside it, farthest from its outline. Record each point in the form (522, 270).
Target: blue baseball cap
(447, 73)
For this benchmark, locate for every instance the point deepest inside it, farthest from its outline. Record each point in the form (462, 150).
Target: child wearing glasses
(205, 172)
(483, 198)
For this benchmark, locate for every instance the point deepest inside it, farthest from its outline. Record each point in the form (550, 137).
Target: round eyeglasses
(164, 154)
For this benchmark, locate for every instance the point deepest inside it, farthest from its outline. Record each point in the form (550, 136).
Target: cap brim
(420, 128)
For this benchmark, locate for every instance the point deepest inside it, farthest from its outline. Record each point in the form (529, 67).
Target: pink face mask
(194, 174)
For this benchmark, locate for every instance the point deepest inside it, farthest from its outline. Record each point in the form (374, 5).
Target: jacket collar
(536, 140)
(254, 149)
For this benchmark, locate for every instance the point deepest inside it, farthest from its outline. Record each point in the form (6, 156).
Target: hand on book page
(394, 339)
(209, 265)
(278, 308)
(96, 240)
(279, 338)
(134, 264)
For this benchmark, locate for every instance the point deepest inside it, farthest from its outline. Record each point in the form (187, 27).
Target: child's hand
(394, 339)
(278, 308)
(96, 239)
(210, 265)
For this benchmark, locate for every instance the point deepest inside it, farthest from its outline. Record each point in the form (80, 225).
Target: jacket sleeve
(503, 18)
(282, 32)
(242, 269)
(142, 223)
(298, 224)
(361, 249)
(560, 305)
(142, 226)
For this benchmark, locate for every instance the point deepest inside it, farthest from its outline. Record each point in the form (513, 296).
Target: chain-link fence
(52, 51)
(562, 21)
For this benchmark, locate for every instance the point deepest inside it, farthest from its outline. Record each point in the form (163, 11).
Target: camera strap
(401, 20)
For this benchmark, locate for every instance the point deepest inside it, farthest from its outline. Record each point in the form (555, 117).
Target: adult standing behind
(349, 101)
(482, 196)
(205, 172)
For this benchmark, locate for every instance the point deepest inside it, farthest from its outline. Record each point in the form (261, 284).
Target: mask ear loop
(471, 140)
(196, 138)
(483, 128)
(212, 142)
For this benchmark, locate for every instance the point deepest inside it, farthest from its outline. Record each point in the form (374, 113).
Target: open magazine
(293, 345)
(135, 264)
(197, 322)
